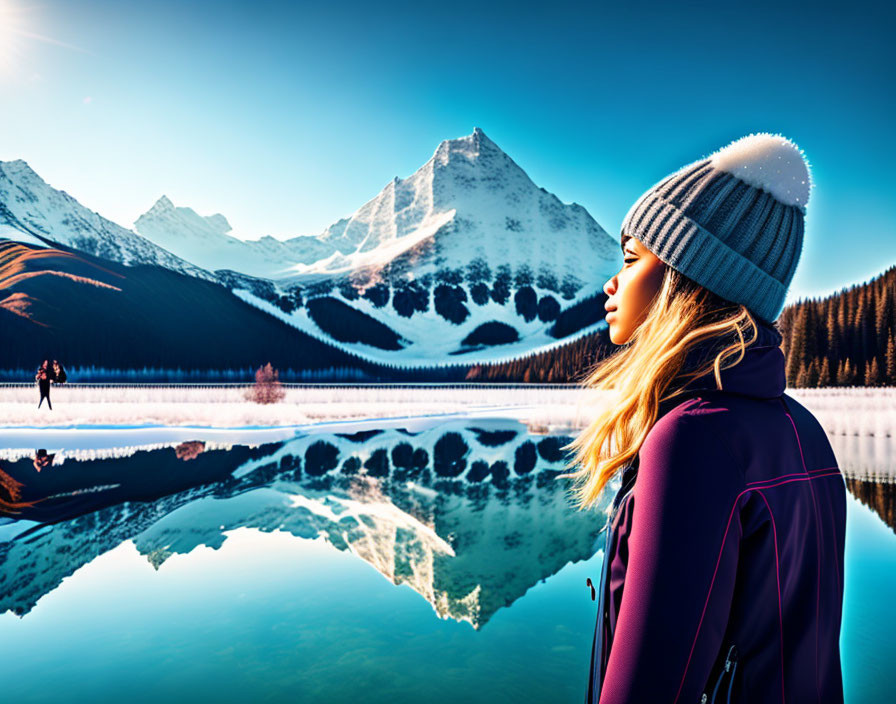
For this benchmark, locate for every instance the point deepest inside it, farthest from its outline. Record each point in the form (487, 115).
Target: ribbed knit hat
(732, 222)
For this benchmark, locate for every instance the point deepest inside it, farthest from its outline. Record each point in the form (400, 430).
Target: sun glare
(16, 33)
(12, 40)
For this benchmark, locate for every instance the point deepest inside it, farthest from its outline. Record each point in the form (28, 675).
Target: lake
(391, 564)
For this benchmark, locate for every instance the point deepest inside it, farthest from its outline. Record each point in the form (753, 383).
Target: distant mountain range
(465, 261)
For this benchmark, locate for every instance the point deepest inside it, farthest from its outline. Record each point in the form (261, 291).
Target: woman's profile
(723, 564)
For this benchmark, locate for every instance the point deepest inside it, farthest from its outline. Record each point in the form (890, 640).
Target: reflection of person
(43, 378)
(42, 459)
(726, 534)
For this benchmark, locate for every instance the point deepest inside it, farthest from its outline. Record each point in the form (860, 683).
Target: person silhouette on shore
(58, 376)
(43, 378)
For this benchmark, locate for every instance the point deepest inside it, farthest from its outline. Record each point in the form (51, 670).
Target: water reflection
(880, 497)
(469, 516)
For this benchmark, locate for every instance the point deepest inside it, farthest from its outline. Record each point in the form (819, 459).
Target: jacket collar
(760, 374)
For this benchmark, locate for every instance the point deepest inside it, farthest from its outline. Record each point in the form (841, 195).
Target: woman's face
(631, 291)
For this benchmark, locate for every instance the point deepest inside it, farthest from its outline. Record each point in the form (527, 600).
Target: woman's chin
(616, 335)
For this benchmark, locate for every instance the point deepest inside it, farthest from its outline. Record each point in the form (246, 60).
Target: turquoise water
(441, 566)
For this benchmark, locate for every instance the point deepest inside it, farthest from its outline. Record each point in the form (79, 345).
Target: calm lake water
(444, 565)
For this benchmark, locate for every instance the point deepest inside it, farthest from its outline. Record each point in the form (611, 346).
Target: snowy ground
(861, 423)
(852, 412)
(227, 407)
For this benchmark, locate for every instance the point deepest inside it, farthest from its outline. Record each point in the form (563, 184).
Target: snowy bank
(842, 412)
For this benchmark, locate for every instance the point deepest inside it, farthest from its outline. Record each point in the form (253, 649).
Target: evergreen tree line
(845, 339)
(569, 363)
(178, 375)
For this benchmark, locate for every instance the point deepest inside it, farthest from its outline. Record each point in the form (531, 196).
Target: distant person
(44, 378)
(724, 547)
(58, 376)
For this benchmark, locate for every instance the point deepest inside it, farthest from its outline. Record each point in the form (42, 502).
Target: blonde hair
(650, 369)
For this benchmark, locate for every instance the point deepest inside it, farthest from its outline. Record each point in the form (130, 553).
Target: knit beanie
(732, 222)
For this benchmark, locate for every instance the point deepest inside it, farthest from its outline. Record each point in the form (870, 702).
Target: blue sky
(287, 116)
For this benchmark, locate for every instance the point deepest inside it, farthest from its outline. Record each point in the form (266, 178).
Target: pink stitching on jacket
(836, 559)
(778, 578)
(800, 478)
(799, 444)
(817, 562)
(792, 474)
(758, 490)
(818, 554)
(706, 603)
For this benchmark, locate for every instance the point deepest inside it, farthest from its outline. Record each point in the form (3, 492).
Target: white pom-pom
(770, 162)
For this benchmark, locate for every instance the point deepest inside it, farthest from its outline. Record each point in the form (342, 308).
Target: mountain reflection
(469, 516)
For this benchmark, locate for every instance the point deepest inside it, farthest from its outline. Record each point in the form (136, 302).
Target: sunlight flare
(17, 27)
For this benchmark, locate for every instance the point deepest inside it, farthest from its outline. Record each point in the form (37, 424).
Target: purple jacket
(728, 550)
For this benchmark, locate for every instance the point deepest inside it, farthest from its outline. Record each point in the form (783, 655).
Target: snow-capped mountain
(203, 240)
(467, 256)
(32, 211)
(469, 201)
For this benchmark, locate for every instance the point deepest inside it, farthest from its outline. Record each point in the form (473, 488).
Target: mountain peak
(162, 204)
(54, 215)
(480, 137)
(18, 166)
(471, 147)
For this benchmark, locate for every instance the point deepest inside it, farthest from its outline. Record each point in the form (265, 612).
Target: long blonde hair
(682, 315)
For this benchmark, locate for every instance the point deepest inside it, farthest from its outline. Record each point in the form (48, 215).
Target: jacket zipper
(621, 501)
(617, 508)
(595, 679)
(729, 667)
(618, 501)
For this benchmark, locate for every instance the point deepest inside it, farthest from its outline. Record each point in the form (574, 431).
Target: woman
(726, 536)
(43, 378)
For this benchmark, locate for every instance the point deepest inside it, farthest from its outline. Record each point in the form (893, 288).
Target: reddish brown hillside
(87, 311)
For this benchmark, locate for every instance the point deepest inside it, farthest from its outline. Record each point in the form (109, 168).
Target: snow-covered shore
(861, 423)
(848, 412)
(554, 409)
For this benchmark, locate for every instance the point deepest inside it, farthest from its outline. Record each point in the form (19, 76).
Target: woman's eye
(632, 259)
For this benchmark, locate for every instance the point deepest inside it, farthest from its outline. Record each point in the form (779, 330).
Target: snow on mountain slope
(10, 233)
(466, 260)
(31, 209)
(429, 339)
(469, 201)
(203, 240)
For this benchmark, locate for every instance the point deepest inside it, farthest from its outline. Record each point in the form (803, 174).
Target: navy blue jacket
(723, 565)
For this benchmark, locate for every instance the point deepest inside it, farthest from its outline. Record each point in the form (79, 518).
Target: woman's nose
(610, 286)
